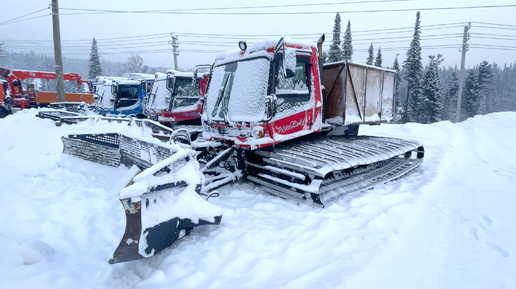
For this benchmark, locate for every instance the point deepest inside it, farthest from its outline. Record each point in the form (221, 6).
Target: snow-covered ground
(450, 224)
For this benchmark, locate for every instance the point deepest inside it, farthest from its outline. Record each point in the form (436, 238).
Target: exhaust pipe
(323, 91)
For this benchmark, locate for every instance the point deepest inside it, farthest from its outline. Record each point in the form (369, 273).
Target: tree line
(87, 68)
(428, 94)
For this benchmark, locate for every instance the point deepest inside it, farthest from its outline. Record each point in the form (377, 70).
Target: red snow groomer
(274, 115)
(177, 97)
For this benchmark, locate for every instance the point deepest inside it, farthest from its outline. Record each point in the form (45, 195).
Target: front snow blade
(161, 206)
(159, 193)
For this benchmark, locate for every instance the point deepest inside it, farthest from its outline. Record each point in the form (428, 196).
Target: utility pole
(57, 52)
(174, 48)
(464, 48)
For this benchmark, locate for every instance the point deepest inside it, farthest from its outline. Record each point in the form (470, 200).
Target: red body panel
(168, 116)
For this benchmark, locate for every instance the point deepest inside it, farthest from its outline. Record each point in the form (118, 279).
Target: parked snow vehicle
(5, 100)
(267, 109)
(146, 79)
(267, 118)
(30, 95)
(177, 97)
(119, 96)
(159, 191)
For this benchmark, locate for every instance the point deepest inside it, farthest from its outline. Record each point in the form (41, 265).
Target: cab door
(294, 103)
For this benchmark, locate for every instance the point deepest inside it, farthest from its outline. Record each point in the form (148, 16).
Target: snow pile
(447, 225)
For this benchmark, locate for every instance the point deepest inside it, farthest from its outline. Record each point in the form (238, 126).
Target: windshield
(186, 87)
(157, 99)
(127, 95)
(238, 90)
(106, 99)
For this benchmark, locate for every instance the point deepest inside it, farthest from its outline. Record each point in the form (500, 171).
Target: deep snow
(450, 224)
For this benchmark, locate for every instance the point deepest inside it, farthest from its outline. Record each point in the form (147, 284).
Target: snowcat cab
(146, 79)
(177, 97)
(128, 97)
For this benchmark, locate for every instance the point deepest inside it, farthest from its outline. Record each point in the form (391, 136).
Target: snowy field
(450, 224)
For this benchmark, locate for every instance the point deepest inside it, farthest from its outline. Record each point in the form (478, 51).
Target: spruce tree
(414, 68)
(95, 69)
(378, 60)
(335, 54)
(472, 94)
(450, 97)
(430, 107)
(485, 80)
(370, 56)
(347, 47)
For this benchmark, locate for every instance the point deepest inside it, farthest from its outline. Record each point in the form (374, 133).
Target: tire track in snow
(424, 248)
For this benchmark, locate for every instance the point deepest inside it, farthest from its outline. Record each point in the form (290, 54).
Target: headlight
(258, 132)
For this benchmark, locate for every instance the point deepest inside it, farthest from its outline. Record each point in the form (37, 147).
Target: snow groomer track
(323, 168)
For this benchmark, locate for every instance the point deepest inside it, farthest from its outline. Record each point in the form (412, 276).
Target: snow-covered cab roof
(176, 73)
(261, 49)
(138, 76)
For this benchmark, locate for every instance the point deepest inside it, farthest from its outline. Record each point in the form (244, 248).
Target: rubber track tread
(334, 165)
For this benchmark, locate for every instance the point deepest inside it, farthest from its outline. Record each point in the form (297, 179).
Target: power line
(7, 22)
(97, 11)
(236, 8)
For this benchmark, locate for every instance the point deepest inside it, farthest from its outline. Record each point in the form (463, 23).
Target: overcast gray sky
(207, 27)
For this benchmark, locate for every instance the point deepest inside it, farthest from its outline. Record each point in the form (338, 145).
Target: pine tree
(450, 97)
(94, 66)
(485, 80)
(414, 68)
(335, 54)
(347, 47)
(472, 94)
(430, 107)
(378, 60)
(370, 56)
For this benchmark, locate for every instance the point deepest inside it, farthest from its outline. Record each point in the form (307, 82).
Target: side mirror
(270, 106)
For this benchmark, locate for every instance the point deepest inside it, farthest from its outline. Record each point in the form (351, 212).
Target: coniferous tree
(94, 66)
(378, 60)
(450, 97)
(472, 94)
(347, 47)
(370, 55)
(430, 107)
(414, 68)
(485, 80)
(335, 54)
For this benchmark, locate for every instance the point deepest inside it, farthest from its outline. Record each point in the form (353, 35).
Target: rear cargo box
(358, 93)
